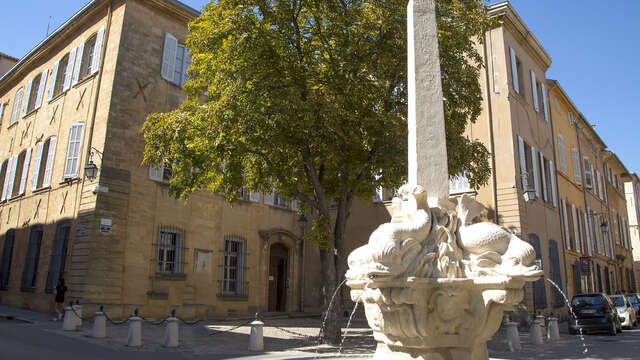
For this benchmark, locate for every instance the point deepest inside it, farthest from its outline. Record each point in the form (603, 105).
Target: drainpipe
(555, 175)
(494, 187)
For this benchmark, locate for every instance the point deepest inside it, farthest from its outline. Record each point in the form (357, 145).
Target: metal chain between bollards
(90, 318)
(290, 332)
(218, 332)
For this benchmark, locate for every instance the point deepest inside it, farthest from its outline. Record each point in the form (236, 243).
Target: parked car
(634, 299)
(627, 314)
(592, 313)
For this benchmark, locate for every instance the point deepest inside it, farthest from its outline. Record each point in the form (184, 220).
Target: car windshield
(618, 300)
(633, 299)
(587, 300)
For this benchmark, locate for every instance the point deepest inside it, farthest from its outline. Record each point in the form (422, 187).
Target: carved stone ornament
(435, 285)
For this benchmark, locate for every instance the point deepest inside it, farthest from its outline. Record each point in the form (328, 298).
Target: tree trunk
(333, 325)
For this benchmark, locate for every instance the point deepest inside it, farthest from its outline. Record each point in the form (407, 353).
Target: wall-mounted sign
(83, 229)
(105, 226)
(585, 265)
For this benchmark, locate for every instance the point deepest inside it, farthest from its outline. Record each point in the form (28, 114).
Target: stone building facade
(119, 238)
(632, 192)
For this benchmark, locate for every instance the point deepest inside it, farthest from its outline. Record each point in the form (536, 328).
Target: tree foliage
(309, 97)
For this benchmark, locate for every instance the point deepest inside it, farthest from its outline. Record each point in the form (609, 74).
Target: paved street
(27, 335)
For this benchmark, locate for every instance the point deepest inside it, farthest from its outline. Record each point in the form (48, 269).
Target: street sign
(585, 265)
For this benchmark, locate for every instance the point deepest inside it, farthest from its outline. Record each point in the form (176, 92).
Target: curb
(13, 317)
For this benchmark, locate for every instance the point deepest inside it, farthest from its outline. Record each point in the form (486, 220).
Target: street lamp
(91, 169)
(528, 193)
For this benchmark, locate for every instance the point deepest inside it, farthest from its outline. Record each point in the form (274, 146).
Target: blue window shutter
(556, 274)
(7, 252)
(539, 287)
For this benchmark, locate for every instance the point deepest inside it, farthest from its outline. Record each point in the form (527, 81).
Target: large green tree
(309, 97)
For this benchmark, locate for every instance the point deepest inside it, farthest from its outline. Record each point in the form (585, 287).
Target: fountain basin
(435, 318)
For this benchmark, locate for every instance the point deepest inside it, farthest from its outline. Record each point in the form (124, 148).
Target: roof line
(8, 56)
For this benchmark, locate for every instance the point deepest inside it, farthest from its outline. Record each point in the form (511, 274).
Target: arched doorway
(278, 277)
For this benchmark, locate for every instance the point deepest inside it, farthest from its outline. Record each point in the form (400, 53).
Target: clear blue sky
(594, 46)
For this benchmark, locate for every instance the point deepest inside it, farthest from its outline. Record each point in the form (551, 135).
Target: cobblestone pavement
(296, 339)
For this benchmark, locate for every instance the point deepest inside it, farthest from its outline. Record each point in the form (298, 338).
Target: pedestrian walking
(59, 299)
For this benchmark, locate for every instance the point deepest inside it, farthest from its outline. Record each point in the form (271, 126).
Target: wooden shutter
(69, 72)
(27, 96)
(46, 179)
(523, 164)
(514, 70)
(7, 252)
(543, 175)
(539, 287)
(294, 205)
(588, 173)
(187, 62)
(7, 174)
(58, 257)
(254, 196)
(576, 166)
(97, 50)
(556, 273)
(587, 227)
(544, 100)
(25, 171)
(77, 65)
(2, 104)
(16, 106)
(534, 91)
(552, 177)
(575, 228)
(40, 94)
(155, 173)
(52, 84)
(36, 166)
(12, 174)
(563, 154)
(169, 56)
(73, 151)
(536, 180)
(567, 238)
(31, 261)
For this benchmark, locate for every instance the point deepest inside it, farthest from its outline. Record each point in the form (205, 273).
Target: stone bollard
(171, 333)
(256, 340)
(134, 336)
(68, 324)
(535, 333)
(99, 325)
(77, 315)
(553, 333)
(513, 337)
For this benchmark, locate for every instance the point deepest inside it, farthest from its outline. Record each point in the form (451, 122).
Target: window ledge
(171, 276)
(10, 125)
(86, 79)
(42, 189)
(233, 297)
(15, 197)
(69, 181)
(57, 96)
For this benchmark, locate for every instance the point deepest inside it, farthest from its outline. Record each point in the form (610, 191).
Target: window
(58, 256)
(576, 166)
(534, 91)
(3, 173)
(58, 77)
(43, 164)
(87, 57)
(248, 195)
(35, 91)
(562, 153)
(233, 268)
(15, 177)
(175, 60)
(30, 270)
(73, 151)
(17, 102)
(565, 220)
(2, 105)
(161, 173)
(169, 250)
(7, 252)
(588, 173)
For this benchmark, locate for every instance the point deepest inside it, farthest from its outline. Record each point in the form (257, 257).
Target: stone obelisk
(427, 139)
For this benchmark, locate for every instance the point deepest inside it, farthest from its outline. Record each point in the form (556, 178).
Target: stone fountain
(434, 284)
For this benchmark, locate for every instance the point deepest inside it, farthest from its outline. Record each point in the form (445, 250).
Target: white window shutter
(16, 106)
(40, 94)
(48, 168)
(27, 96)
(168, 56)
(543, 175)
(25, 171)
(567, 239)
(294, 205)
(73, 151)
(536, 180)
(587, 228)
(2, 104)
(36, 166)
(187, 62)
(576, 166)
(563, 154)
(269, 197)
(97, 50)
(523, 164)
(52, 84)
(544, 100)
(575, 227)
(552, 176)
(5, 188)
(155, 173)
(254, 196)
(69, 71)
(514, 70)
(77, 64)
(534, 92)
(378, 196)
